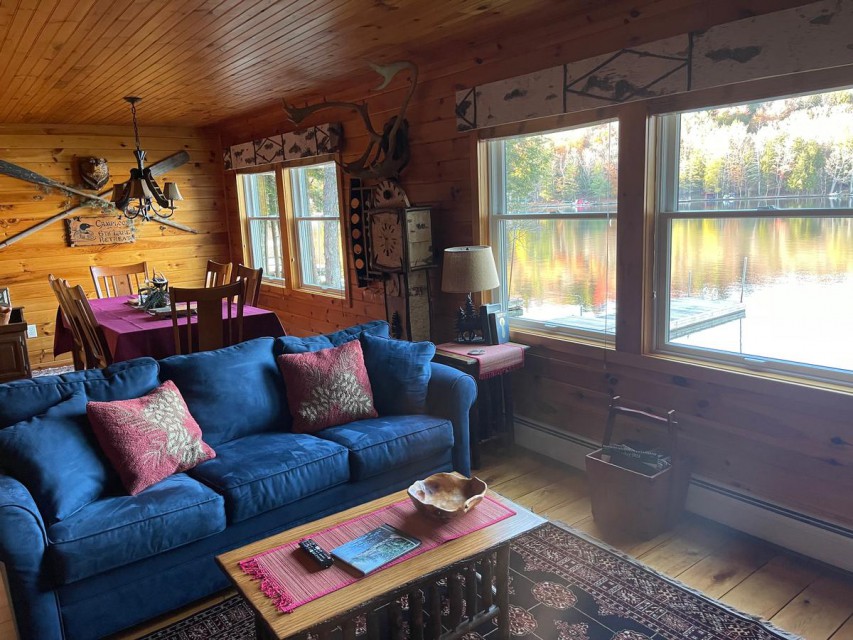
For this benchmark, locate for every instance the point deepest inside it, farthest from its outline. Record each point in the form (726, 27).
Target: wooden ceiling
(197, 62)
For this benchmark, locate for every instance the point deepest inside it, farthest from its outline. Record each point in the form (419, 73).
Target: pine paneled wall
(778, 441)
(52, 151)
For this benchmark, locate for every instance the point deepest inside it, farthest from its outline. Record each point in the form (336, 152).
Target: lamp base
(469, 327)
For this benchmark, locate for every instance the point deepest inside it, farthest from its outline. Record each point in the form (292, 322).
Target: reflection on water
(793, 276)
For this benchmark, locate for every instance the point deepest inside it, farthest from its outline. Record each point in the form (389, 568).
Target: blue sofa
(121, 559)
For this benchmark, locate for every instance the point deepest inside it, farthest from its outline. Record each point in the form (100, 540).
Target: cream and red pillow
(148, 439)
(327, 388)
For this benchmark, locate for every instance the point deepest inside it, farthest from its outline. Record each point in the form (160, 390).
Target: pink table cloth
(131, 333)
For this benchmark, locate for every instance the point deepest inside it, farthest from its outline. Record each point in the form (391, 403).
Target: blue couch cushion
(118, 530)
(231, 392)
(22, 399)
(292, 344)
(399, 373)
(55, 455)
(381, 444)
(263, 472)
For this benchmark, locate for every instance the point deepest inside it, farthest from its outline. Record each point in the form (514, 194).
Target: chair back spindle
(111, 282)
(218, 323)
(218, 274)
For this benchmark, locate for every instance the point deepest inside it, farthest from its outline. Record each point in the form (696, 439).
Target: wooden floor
(796, 594)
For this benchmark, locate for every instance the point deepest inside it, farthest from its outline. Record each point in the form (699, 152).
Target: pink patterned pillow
(328, 387)
(148, 439)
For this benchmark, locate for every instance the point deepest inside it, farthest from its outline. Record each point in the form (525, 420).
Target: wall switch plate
(32, 331)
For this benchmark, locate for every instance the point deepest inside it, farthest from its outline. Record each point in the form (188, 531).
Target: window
(308, 254)
(259, 200)
(552, 200)
(755, 231)
(317, 231)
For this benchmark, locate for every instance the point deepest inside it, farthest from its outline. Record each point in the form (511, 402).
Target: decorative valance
(815, 36)
(306, 143)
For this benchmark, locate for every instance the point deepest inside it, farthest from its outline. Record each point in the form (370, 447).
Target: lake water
(793, 275)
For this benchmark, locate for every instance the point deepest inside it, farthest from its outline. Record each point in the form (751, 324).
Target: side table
(456, 355)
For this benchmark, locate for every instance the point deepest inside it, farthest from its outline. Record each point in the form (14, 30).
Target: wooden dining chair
(217, 325)
(98, 353)
(78, 347)
(111, 282)
(217, 274)
(252, 279)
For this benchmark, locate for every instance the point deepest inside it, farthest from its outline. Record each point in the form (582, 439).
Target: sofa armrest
(451, 395)
(23, 543)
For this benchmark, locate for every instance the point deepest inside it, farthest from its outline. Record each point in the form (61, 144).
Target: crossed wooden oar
(87, 199)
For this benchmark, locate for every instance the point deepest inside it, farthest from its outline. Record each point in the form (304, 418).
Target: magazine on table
(375, 548)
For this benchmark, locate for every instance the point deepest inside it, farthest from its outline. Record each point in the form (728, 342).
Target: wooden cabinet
(14, 360)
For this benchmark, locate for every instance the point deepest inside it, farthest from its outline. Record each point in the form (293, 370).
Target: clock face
(386, 240)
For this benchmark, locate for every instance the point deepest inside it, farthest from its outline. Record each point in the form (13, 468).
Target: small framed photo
(5, 300)
(499, 327)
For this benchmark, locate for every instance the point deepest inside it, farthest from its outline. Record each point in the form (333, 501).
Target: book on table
(375, 548)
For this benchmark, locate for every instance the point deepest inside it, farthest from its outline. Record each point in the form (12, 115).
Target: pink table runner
(497, 359)
(132, 333)
(290, 579)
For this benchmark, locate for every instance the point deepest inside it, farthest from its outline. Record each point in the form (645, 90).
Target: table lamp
(465, 270)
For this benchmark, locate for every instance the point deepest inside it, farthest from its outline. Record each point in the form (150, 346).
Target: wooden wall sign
(88, 231)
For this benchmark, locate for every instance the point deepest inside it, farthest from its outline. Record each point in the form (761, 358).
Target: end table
(493, 365)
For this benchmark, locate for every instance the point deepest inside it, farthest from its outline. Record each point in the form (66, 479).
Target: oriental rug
(564, 586)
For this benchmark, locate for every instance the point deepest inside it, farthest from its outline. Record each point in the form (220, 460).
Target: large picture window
(755, 220)
(552, 206)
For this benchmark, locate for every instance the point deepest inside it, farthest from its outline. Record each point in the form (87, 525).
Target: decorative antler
(387, 153)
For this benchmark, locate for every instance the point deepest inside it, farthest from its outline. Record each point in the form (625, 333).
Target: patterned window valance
(313, 141)
(815, 36)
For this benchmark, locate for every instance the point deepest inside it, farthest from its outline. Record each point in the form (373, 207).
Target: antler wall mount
(387, 153)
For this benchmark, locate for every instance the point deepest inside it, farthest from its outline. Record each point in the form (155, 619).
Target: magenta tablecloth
(132, 333)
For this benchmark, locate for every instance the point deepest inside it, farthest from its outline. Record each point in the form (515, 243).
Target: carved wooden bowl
(443, 496)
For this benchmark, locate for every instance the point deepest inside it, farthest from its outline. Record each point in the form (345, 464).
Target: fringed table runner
(497, 359)
(290, 579)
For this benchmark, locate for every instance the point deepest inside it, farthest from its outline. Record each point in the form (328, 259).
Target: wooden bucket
(628, 501)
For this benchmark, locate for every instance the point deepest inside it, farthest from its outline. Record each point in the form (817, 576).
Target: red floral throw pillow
(148, 439)
(327, 388)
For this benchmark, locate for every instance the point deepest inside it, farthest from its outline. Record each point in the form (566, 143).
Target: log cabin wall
(51, 151)
(779, 441)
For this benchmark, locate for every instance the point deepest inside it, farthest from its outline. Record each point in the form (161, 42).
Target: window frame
(666, 128)
(492, 173)
(291, 268)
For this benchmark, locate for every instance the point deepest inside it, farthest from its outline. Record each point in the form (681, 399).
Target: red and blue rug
(564, 586)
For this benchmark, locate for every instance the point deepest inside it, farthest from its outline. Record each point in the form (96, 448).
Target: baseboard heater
(826, 541)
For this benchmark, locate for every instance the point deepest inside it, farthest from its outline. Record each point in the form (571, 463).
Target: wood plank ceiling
(195, 62)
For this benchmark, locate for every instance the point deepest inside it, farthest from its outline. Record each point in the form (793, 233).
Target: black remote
(317, 553)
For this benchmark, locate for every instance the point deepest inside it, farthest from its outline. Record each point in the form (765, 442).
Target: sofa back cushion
(23, 399)
(399, 374)
(231, 392)
(292, 344)
(56, 457)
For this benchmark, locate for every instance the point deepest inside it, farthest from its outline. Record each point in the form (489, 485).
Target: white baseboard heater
(811, 536)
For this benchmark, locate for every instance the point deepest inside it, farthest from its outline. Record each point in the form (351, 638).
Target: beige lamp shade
(118, 191)
(468, 269)
(171, 191)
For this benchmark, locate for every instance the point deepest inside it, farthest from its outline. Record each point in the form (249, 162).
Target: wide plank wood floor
(799, 595)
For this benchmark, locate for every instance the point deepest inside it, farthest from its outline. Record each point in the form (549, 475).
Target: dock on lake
(687, 315)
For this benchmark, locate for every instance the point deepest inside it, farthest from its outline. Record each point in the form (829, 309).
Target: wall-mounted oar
(7, 168)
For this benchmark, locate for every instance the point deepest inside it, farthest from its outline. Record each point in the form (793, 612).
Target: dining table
(131, 332)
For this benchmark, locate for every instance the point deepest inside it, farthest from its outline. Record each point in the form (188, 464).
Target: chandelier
(141, 195)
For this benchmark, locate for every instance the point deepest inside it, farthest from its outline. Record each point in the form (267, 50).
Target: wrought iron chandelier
(141, 195)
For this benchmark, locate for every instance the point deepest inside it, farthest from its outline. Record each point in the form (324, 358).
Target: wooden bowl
(443, 496)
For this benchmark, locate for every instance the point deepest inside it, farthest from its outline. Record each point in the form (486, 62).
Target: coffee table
(475, 559)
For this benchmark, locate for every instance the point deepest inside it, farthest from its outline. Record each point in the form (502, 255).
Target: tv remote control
(317, 553)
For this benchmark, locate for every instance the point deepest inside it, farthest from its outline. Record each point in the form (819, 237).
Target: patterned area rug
(563, 587)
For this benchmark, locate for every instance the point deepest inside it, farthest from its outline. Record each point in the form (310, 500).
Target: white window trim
(245, 208)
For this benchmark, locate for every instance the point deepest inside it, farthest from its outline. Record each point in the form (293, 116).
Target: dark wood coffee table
(469, 565)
